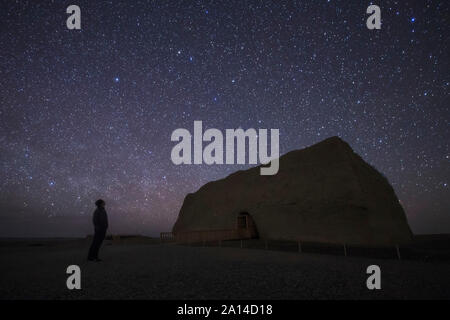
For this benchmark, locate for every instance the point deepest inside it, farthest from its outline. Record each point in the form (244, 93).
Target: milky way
(89, 113)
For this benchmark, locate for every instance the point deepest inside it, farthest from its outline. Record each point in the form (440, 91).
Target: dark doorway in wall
(246, 225)
(242, 221)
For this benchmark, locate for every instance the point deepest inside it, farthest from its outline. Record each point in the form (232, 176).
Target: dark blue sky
(88, 114)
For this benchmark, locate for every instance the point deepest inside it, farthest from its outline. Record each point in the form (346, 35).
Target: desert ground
(151, 270)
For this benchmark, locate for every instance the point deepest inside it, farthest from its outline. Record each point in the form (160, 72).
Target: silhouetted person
(100, 220)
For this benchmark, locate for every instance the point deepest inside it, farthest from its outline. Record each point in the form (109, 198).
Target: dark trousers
(96, 243)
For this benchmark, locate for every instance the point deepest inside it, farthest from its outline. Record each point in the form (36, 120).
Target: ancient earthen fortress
(323, 193)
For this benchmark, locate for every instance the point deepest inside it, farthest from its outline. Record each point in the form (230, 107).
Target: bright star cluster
(89, 113)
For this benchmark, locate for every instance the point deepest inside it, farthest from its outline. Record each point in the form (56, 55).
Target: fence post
(241, 244)
(345, 250)
(398, 252)
(299, 247)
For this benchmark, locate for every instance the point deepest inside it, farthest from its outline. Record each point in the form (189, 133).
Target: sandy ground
(167, 271)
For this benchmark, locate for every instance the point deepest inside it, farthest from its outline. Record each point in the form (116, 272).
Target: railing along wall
(205, 235)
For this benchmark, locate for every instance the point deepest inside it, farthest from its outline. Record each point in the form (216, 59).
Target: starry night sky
(89, 113)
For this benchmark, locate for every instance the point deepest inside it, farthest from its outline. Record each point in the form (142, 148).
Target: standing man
(100, 220)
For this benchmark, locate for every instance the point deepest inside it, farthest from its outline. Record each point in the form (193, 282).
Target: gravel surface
(168, 271)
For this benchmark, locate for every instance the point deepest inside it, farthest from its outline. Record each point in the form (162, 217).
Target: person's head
(100, 203)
